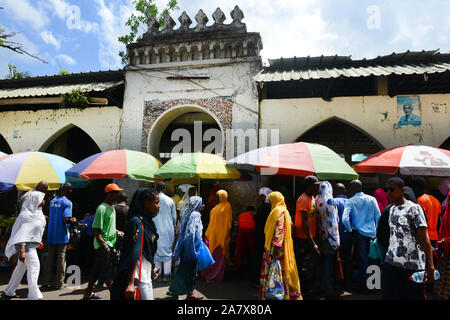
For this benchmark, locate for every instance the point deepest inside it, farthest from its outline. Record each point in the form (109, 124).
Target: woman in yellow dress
(279, 246)
(218, 237)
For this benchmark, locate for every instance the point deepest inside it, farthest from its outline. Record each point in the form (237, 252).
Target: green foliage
(6, 222)
(147, 9)
(75, 99)
(15, 74)
(3, 36)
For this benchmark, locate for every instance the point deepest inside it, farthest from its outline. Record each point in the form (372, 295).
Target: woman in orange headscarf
(279, 246)
(218, 237)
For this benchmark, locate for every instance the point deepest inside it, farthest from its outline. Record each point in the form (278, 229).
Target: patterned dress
(442, 286)
(277, 241)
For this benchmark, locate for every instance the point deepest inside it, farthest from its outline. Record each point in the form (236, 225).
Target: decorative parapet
(200, 42)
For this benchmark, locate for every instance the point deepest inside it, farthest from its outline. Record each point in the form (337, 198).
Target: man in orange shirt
(431, 206)
(305, 233)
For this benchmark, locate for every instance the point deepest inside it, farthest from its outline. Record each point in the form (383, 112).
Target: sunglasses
(390, 189)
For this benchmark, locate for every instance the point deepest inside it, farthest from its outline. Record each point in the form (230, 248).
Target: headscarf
(444, 187)
(409, 194)
(444, 231)
(218, 232)
(29, 225)
(191, 231)
(265, 192)
(328, 215)
(381, 198)
(185, 201)
(290, 266)
(132, 240)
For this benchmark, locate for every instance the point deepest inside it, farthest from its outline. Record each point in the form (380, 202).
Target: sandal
(5, 296)
(93, 296)
(194, 297)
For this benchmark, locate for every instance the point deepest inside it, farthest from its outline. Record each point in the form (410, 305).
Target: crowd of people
(306, 254)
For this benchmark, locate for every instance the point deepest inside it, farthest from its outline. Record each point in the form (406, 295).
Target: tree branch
(16, 47)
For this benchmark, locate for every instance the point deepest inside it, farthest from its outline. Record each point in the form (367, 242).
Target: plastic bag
(204, 259)
(376, 252)
(275, 285)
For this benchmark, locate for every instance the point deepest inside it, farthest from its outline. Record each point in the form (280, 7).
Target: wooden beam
(25, 101)
(47, 100)
(382, 86)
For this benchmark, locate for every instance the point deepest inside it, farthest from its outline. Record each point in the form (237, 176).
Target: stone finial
(237, 16)
(153, 26)
(202, 20)
(218, 16)
(169, 23)
(185, 21)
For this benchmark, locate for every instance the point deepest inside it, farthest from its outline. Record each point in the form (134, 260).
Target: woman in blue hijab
(193, 253)
(143, 208)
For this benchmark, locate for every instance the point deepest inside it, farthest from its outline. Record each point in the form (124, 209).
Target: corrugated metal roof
(349, 72)
(55, 90)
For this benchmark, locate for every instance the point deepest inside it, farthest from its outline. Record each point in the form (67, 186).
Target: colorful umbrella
(296, 159)
(26, 169)
(197, 165)
(116, 164)
(408, 160)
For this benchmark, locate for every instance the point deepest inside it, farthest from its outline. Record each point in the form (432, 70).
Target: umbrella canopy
(26, 169)
(408, 160)
(116, 164)
(297, 159)
(197, 165)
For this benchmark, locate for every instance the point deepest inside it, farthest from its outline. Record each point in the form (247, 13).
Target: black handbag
(75, 234)
(114, 256)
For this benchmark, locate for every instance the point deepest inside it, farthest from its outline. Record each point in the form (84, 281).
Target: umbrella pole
(294, 186)
(199, 186)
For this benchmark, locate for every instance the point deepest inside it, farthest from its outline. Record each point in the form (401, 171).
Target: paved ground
(231, 288)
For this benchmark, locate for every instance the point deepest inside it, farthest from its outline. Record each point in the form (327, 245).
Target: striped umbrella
(296, 159)
(116, 164)
(198, 166)
(26, 169)
(408, 160)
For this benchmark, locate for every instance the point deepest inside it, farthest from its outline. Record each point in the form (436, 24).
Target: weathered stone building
(208, 80)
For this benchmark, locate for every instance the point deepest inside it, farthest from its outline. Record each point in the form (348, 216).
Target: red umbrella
(408, 160)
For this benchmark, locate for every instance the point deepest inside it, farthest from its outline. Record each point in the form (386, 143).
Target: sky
(81, 35)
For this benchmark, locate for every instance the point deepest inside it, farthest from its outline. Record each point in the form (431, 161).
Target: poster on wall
(409, 111)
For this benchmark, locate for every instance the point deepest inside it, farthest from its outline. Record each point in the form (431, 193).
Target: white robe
(28, 228)
(165, 223)
(29, 225)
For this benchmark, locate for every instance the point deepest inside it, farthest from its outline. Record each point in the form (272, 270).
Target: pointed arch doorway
(72, 143)
(4, 145)
(344, 138)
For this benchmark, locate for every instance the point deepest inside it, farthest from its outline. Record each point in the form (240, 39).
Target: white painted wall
(296, 116)
(228, 77)
(29, 130)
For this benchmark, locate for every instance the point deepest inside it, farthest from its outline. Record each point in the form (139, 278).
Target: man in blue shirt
(346, 238)
(361, 215)
(58, 236)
